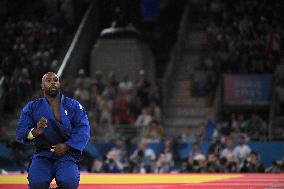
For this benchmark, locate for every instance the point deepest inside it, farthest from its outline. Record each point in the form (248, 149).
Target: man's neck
(52, 100)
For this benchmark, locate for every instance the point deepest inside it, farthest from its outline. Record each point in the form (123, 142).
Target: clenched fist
(60, 149)
(41, 124)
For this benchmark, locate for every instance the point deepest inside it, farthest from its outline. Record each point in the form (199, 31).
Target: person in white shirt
(242, 150)
(228, 152)
(143, 157)
(144, 119)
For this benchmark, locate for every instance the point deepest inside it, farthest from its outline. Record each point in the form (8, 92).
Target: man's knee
(65, 183)
(39, 184)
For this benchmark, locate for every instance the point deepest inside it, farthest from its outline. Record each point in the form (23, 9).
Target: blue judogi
(73, 130)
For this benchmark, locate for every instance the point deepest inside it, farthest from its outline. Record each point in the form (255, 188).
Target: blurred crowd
(29, 46)
(243, 37)
(221, 157)
(247, 36)
(110, 102)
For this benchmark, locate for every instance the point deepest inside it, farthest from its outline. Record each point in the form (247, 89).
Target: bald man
(60, 130)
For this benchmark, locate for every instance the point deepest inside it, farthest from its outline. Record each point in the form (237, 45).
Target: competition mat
(162, 181)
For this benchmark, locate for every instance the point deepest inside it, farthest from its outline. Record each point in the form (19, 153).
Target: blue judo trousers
(73, 130)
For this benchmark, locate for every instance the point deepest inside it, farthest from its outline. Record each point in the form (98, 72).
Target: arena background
(186, 91)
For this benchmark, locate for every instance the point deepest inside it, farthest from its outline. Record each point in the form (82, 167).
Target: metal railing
(74, 42)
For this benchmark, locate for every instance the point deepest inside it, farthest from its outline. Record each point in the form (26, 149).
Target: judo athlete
(60, 130)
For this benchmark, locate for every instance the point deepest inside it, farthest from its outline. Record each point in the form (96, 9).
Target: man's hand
(41, 124)
(60, 149)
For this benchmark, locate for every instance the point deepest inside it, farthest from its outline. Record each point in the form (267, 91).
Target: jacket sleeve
(80, 133)
(25, 124)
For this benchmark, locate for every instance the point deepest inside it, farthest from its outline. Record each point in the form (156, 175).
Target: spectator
(255, 127)
(228, 152)
(213, 164)
(82, 94)
(125, 85)
(156, 111)
(112, 164)
(82, 79)
(97, 166)
(142, 158)
(121, 110)
(161, 165)
(143, 87)
(276, 167)
(154, 132)
(216, 148)
(99, 81)
(187, 135)
(144, 119)
(105, 108)
(196, 151)
(252, 164)
(242, 150)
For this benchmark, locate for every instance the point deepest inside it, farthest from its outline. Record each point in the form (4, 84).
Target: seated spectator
(195, 151)
(143, 87)
(97, 166)
(112, 164)
(94, 107)
(82, 94)
(156, 111)
(125, 85)
(228, 151)
(154, 132)
(144, 118)
(119, 151)
(161, 165)
(170, 151)
(200, 133)
(213, 164)
(113, 81)
(255, 127)
(199, 164)
(121, 110)
(216, 147)
(211, 131)
(105, 108)
(110, 92)
(188, 135)
(242, 150)
(82, 79)
(142, 158)
(276, 167)
(237, 127)
(252, 164)
(99, 81)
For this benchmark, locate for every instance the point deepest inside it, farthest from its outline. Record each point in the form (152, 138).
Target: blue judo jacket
(73, 129)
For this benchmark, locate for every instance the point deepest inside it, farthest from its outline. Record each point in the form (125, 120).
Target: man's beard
(52, 93)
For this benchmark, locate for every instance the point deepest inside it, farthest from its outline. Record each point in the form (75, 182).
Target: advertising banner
(247, 89)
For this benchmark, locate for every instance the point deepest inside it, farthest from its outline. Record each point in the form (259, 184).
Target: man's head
(50, 84)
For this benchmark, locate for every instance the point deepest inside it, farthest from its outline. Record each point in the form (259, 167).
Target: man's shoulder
(34, 103)
(72, 103)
